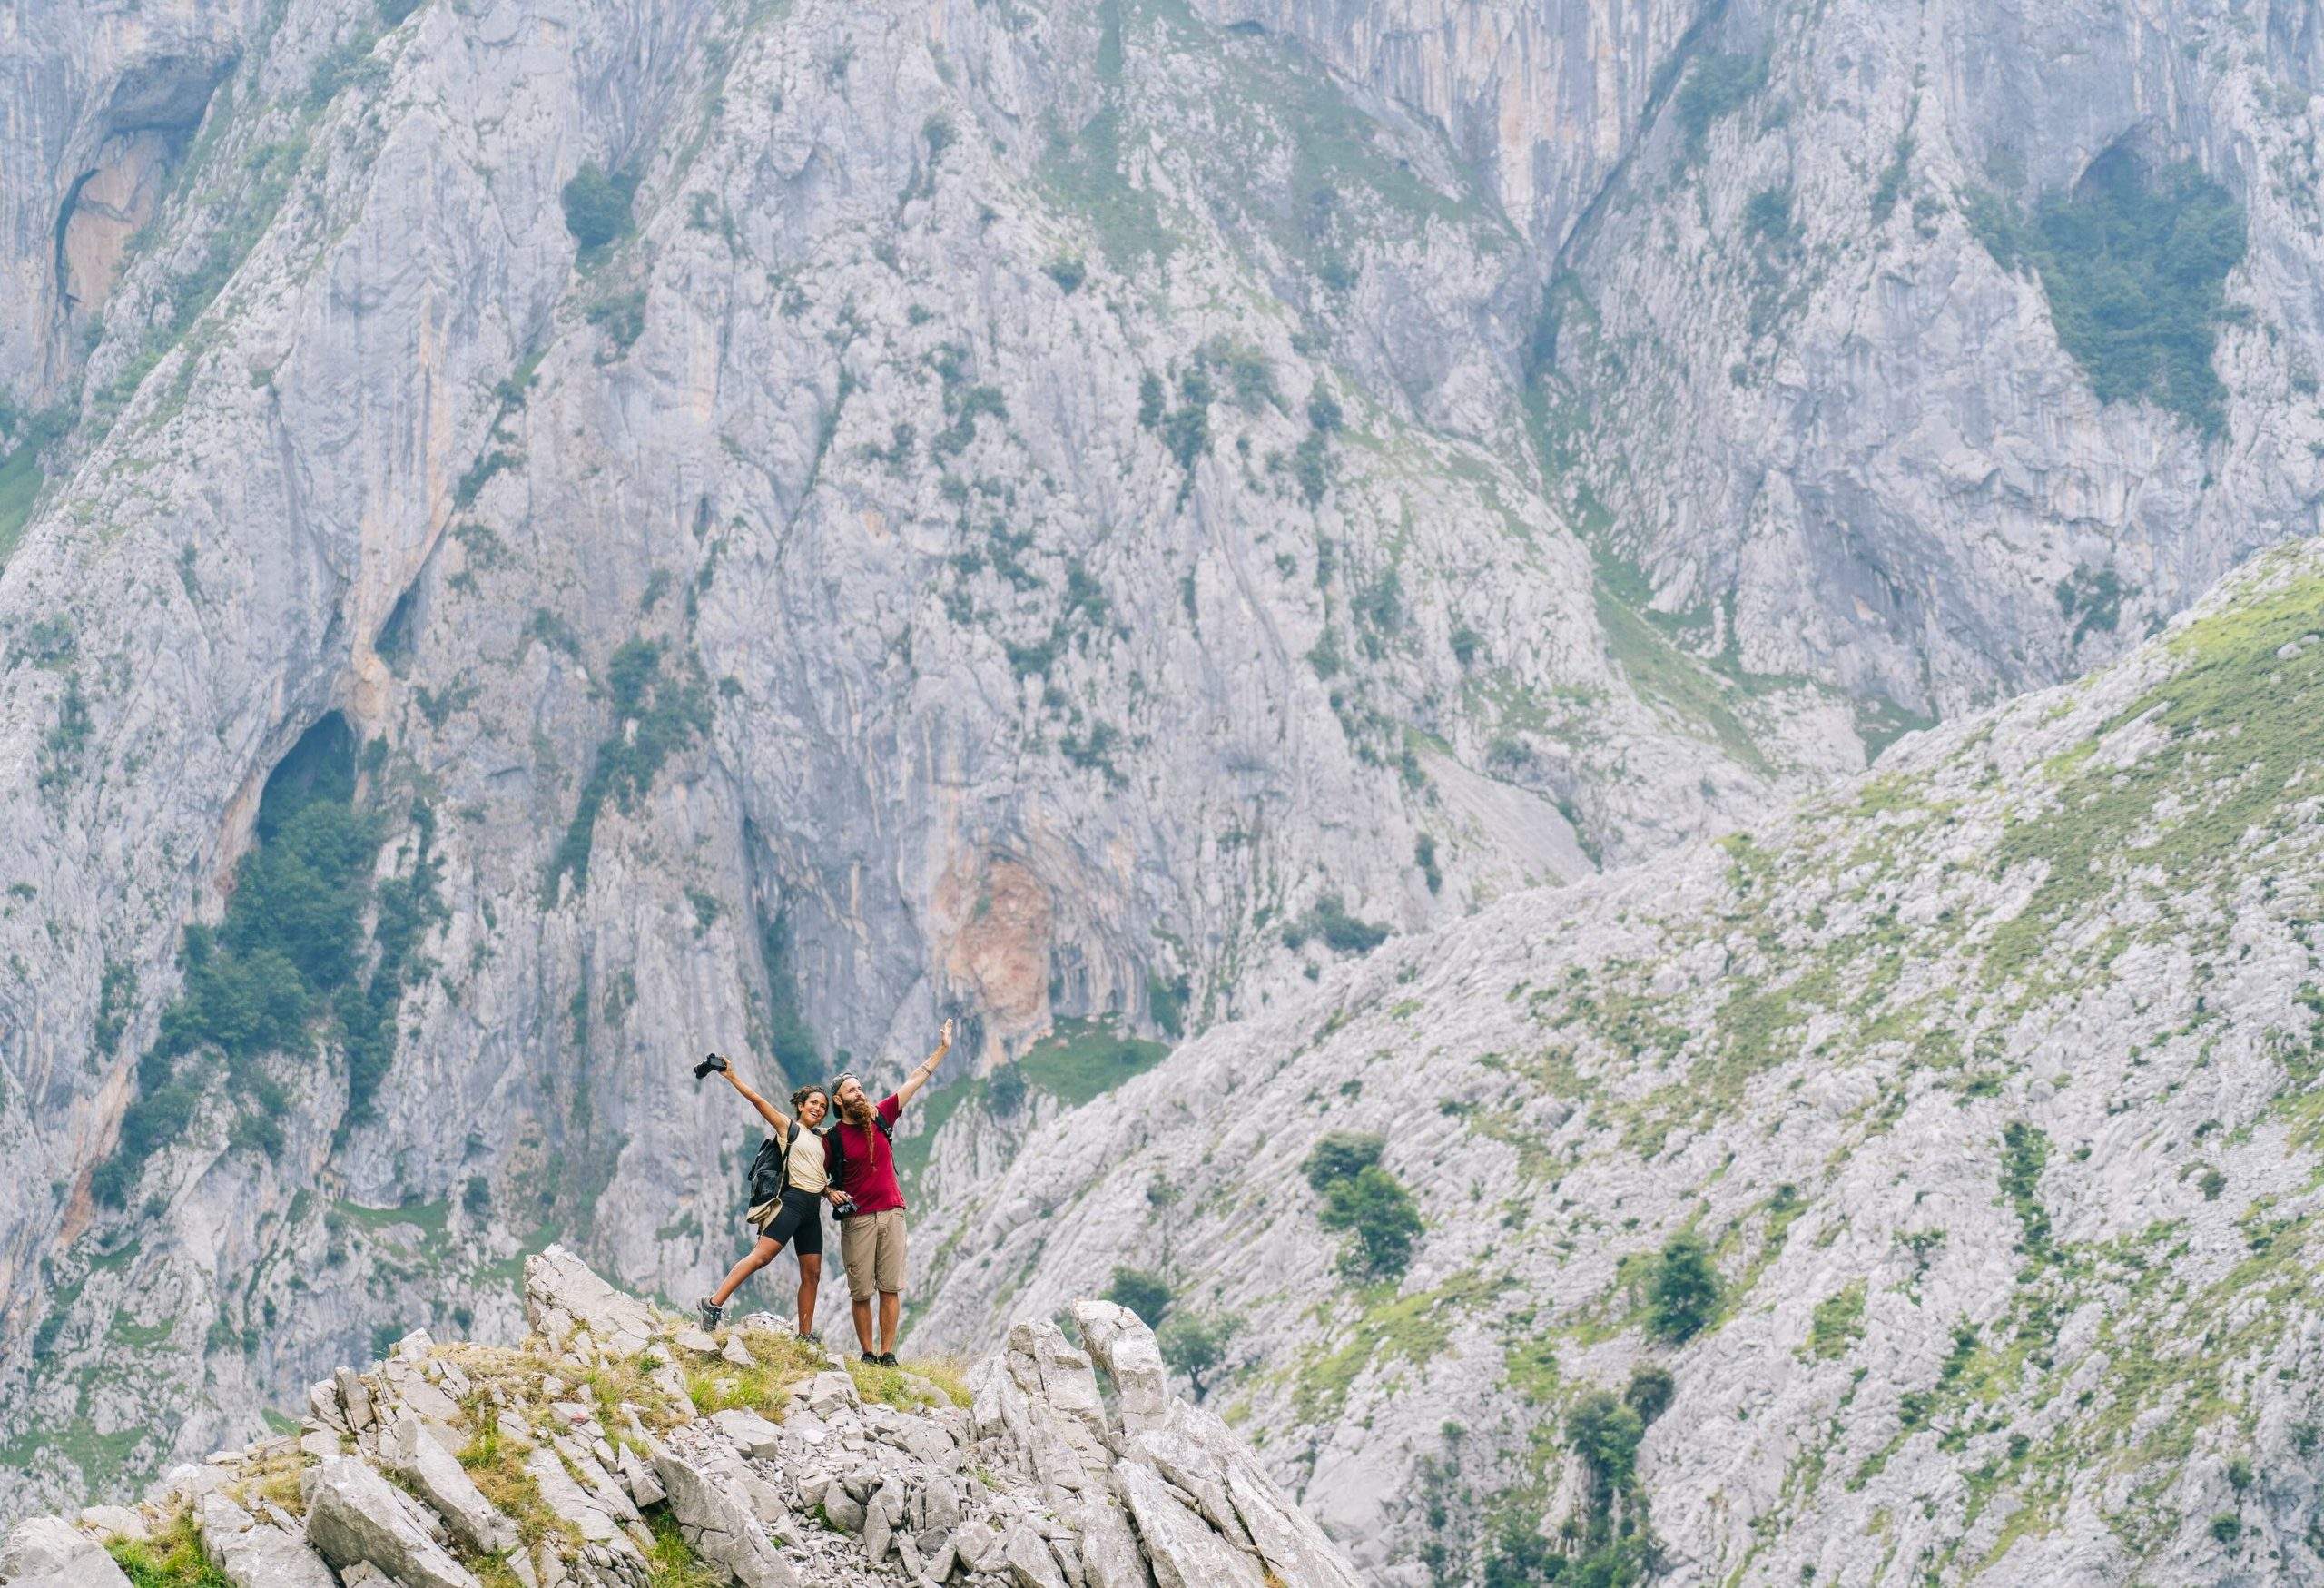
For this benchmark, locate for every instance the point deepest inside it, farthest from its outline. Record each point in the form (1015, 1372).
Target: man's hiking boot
(710, 1313)
(887, 1358)
(871, 1358)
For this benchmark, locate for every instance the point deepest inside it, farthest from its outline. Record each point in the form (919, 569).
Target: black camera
(845, 1209)
(709, 1061)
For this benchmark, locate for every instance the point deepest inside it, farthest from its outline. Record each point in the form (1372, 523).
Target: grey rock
(252, 1553)
(354, 1516)
(49, 1546)
(557, 1282)
(751, 1434)
(698, 1477)
(406, 1450)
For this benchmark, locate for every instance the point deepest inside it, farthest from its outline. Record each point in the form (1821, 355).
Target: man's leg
(855, 1250)
(889, 1273)
(757, 1257)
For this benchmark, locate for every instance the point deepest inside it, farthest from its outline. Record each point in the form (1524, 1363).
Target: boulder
(702, 1478)
(53, 1548)
(113, 1521)
(1182, 1548)
(406, 1450)
(251, 1554)
(557, 1281)
(751, 1434)
(355, 1516)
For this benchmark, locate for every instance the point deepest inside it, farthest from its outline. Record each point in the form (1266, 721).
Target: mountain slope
(768, 525)
(1986, 1088)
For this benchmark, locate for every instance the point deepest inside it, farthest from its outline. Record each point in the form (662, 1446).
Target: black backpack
(767, 1177)
(838, 1141)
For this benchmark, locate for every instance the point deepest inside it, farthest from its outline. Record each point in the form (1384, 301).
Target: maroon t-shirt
(871, 1162)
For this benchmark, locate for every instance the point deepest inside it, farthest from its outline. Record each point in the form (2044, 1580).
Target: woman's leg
(811, 1275)
(757, 1257)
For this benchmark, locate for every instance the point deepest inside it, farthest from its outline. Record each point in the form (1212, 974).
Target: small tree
(596, 206)
(1685, 1291)
(1194, 1346)
(1384, 1218)
(1340, 1156)
(1143, 1293)
(1650, 1392)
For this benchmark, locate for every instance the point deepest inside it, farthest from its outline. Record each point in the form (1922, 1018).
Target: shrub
(1143, 1293)
(2227, 1529)
(478, 1198)
(1067, 272)
(1650, 1392)
(1167, 1001)
(1328, 919)
(1005, 1091)
(1605, 1434)
(1768, 217)
(1340, 1156)
(1465, 642)
(1193, 1348)
(2239, 1474)
(597, 206)
(1717, 87)
(1384, 1218)
(1684, 1294)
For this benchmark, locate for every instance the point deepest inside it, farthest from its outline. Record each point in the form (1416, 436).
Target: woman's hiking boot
(710, 1313)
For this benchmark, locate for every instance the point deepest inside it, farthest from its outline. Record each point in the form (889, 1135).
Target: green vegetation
(1838, 1322)
(2235, 723)
(1145, 1293)
(671, 1563)
(1328, 921)
(289, 954)
(1083, 1059)
(1361, 1197)
(1718, 87)
(171, 1558)
(1066, 271)
(597, 206)
(654, 715)
(790, 1039)
(2135, 270)
(2026, 1152)
(1194, 1346)
(1683, 1294)
(20, 483)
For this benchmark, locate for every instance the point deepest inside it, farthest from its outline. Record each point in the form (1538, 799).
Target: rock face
(1926, 1185)
(776, 524)
(826, 1487)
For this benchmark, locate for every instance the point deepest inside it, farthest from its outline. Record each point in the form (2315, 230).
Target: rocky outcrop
(1929, 1183)
(808, 1479)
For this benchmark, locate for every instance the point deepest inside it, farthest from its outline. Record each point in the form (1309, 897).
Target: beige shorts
(871, 1245)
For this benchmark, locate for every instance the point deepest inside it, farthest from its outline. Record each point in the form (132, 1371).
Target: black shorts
(798, 1224)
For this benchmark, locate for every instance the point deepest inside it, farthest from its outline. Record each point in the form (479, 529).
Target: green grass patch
(1083, 1059)
(171, 1558)
(20, 482)
(1838, 1324)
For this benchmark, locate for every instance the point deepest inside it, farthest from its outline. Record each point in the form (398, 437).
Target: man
(862, 1160)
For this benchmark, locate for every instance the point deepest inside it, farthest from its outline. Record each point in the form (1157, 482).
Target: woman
(789, 1173)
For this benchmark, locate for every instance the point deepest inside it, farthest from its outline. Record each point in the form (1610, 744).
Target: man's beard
(858, 1112)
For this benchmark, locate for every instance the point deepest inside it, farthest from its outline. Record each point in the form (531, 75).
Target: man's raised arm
(926, 1067)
